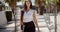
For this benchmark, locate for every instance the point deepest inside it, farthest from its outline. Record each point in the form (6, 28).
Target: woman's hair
(25, 6)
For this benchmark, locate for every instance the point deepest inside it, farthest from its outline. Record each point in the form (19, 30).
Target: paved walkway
(42, 21)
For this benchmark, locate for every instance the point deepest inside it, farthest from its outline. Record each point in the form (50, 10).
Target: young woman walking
(28, 18)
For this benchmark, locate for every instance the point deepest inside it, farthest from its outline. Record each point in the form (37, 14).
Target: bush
(9, 15)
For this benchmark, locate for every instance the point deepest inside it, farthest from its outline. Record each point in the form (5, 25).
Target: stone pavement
(43, 24)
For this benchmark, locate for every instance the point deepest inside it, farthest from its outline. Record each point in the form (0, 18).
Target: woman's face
(28, 3)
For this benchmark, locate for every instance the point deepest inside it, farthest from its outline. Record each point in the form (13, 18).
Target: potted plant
(12, 4)
(9, 15)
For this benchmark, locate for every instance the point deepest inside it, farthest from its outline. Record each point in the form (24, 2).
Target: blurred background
(47, 13)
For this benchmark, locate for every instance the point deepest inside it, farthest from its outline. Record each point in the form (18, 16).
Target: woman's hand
(38, 29)
(20, 30)
(21, 23)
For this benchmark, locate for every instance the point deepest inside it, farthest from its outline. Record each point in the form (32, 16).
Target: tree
(1, 6)
(12, 4)
(55, 14)
(38, 3)
(58, 5)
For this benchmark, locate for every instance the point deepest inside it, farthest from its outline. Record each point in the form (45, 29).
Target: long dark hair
(25, 6)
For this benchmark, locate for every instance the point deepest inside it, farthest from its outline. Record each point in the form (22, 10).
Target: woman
(28, 20)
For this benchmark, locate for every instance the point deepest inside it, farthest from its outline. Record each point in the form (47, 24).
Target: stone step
(43, 24)
(58, 28)
(43, 29)
(4, 30)
(41, 20)
(40, 16)
(52, 30)
(10, 25)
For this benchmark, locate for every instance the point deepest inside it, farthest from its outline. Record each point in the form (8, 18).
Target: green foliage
(9, 15)
(11, 0)
(18, 0)
(58, 3)
(7, 1)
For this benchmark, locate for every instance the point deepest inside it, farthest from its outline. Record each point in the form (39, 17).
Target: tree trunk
(12, 4)
(40, 7)
(55, 14)
(55, 17)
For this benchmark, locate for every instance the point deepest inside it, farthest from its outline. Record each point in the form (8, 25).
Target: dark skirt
(28, 27)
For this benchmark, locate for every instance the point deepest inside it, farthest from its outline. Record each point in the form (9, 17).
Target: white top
(28, 16)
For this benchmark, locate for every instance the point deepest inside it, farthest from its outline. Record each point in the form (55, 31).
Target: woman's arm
(21, 17)
(21, 20)
(35, 20)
